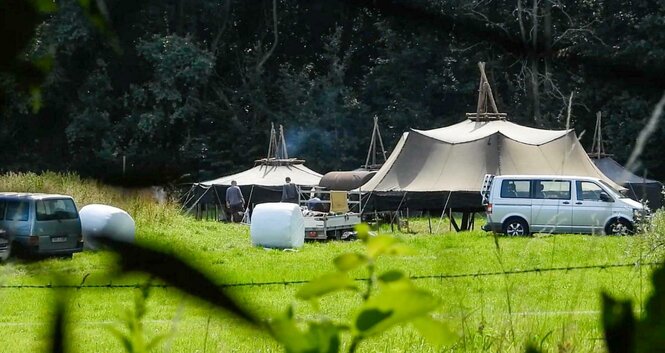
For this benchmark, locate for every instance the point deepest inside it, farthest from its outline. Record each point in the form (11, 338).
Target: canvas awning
(270, 176)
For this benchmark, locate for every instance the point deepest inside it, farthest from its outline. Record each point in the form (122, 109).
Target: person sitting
(315, 204)
(510, 191)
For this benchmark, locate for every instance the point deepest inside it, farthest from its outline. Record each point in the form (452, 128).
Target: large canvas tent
(444, 168)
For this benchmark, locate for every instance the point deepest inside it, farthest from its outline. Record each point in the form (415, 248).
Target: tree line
(179, 91)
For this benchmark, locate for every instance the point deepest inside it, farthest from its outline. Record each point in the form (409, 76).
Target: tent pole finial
(486, 108)
(371, 153)
(597, 148)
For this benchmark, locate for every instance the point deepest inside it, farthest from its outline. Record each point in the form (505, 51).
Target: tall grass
(139, 203)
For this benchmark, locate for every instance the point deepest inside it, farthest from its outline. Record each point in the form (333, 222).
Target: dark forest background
(186, 90)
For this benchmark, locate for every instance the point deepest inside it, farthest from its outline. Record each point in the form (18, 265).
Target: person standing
(289, 192)
(235, 202)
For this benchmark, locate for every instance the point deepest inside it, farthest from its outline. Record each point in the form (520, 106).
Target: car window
(612, 189)
(17, 210)
(53, 209)
(515, 189)
(588, 191)
(3, 205)
(551, 189)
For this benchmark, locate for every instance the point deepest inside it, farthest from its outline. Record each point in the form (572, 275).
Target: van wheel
(515, 227)
(619, 226)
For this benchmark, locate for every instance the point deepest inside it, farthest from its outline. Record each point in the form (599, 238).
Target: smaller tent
(259, 184)
(262, 183)
(638, 188)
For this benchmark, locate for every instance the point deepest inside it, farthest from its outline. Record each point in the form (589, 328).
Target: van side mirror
(605, 197)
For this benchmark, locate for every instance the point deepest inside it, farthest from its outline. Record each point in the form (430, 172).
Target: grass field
(557, 310)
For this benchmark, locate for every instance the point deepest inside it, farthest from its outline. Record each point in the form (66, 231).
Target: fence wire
(111, 285)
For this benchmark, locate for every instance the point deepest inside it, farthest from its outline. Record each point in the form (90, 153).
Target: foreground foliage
(398, 301)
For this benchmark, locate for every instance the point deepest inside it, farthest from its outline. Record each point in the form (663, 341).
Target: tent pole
(443, 212)
(450, 217)
(408, 228)
(196, 203)
(249, 200)
(429, 221)
(378, 135)
(371, 144)
(219, 201)
(465, 221)
(187, 197)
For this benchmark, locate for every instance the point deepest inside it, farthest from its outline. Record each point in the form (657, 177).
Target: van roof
(30, 195)
(556, 177)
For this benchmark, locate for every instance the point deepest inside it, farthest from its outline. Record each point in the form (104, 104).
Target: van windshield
(616, 192)
(54, 209)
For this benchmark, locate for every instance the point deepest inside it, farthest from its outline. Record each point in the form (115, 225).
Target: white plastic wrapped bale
(277, 225)
(98, 220)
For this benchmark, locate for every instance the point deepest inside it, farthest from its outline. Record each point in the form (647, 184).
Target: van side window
(588, 191)
(551, 189)
(515, 189)
(17, 210)
(3, 205)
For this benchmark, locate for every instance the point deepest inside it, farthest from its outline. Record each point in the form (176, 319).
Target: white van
(525, 204)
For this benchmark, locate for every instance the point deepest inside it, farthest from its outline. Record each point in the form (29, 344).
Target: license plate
(58, 239)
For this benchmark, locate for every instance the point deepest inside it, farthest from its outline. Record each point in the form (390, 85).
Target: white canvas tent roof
(267, 175)
(262, 183)
(456, 158)
(469, 131)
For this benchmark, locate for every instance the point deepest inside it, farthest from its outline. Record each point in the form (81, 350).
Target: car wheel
(619, 226)
(515, 227)
(5, 251)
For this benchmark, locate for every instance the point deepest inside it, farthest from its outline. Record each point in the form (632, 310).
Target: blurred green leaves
(437, 333)
(624, 333)
(390, 299)
(392, 307)
(349, 261)
(133, 336)
(173, 270)
(58, 326)
(326, 284)
(318, 337)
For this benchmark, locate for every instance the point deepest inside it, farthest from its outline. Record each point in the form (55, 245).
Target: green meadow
(489, 293)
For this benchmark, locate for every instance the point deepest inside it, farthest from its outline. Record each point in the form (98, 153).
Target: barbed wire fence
(152, 284)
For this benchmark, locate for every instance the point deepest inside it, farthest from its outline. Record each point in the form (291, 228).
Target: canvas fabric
(270, 176)
(456, 158)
